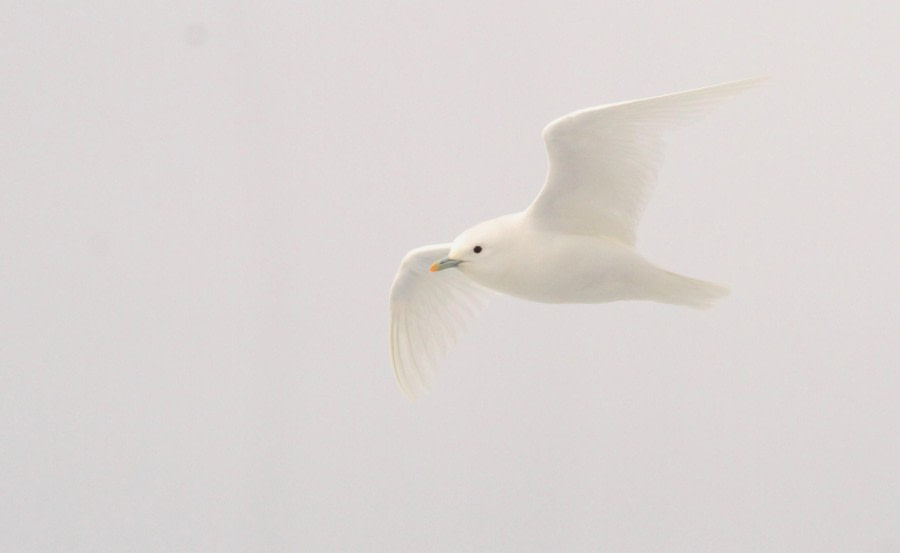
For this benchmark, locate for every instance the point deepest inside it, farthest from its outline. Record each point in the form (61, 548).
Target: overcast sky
(202, 207)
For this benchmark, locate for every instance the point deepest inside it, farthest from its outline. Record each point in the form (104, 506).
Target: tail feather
(681, 290)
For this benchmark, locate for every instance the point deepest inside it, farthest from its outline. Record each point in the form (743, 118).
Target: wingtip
(755, 79)
(751, 82)
(411, 395)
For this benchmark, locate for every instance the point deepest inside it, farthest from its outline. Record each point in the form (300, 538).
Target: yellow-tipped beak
(443, 263)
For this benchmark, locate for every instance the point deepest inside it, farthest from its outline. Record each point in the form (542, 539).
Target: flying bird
(575, 243)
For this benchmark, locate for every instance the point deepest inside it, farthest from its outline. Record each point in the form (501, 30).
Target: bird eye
(477, 249)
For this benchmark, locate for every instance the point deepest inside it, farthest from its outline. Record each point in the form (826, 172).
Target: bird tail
(681, 290)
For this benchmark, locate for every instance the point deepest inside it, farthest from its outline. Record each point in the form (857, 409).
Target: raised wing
(428, 312)
(604, 160)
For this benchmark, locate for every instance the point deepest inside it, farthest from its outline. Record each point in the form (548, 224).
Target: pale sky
(203, 207)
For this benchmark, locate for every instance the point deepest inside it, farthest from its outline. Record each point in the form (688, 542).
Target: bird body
(523, 260)
(574, 244)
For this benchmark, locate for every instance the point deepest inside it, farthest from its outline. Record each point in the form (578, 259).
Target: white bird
(574, 244)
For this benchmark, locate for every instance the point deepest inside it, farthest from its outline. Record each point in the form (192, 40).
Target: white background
(202, 207)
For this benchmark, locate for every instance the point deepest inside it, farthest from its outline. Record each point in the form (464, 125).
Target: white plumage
(573, 244)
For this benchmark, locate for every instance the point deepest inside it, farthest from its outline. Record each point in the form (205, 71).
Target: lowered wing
(428, 312)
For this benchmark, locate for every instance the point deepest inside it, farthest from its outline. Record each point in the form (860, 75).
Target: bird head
(480, 248)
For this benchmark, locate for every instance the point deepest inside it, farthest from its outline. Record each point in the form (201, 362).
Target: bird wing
(604, 160)
(428, 312)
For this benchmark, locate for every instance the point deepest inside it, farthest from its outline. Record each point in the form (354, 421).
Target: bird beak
(444, 263)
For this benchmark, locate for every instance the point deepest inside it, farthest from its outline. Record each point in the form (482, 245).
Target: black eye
(477, 249)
